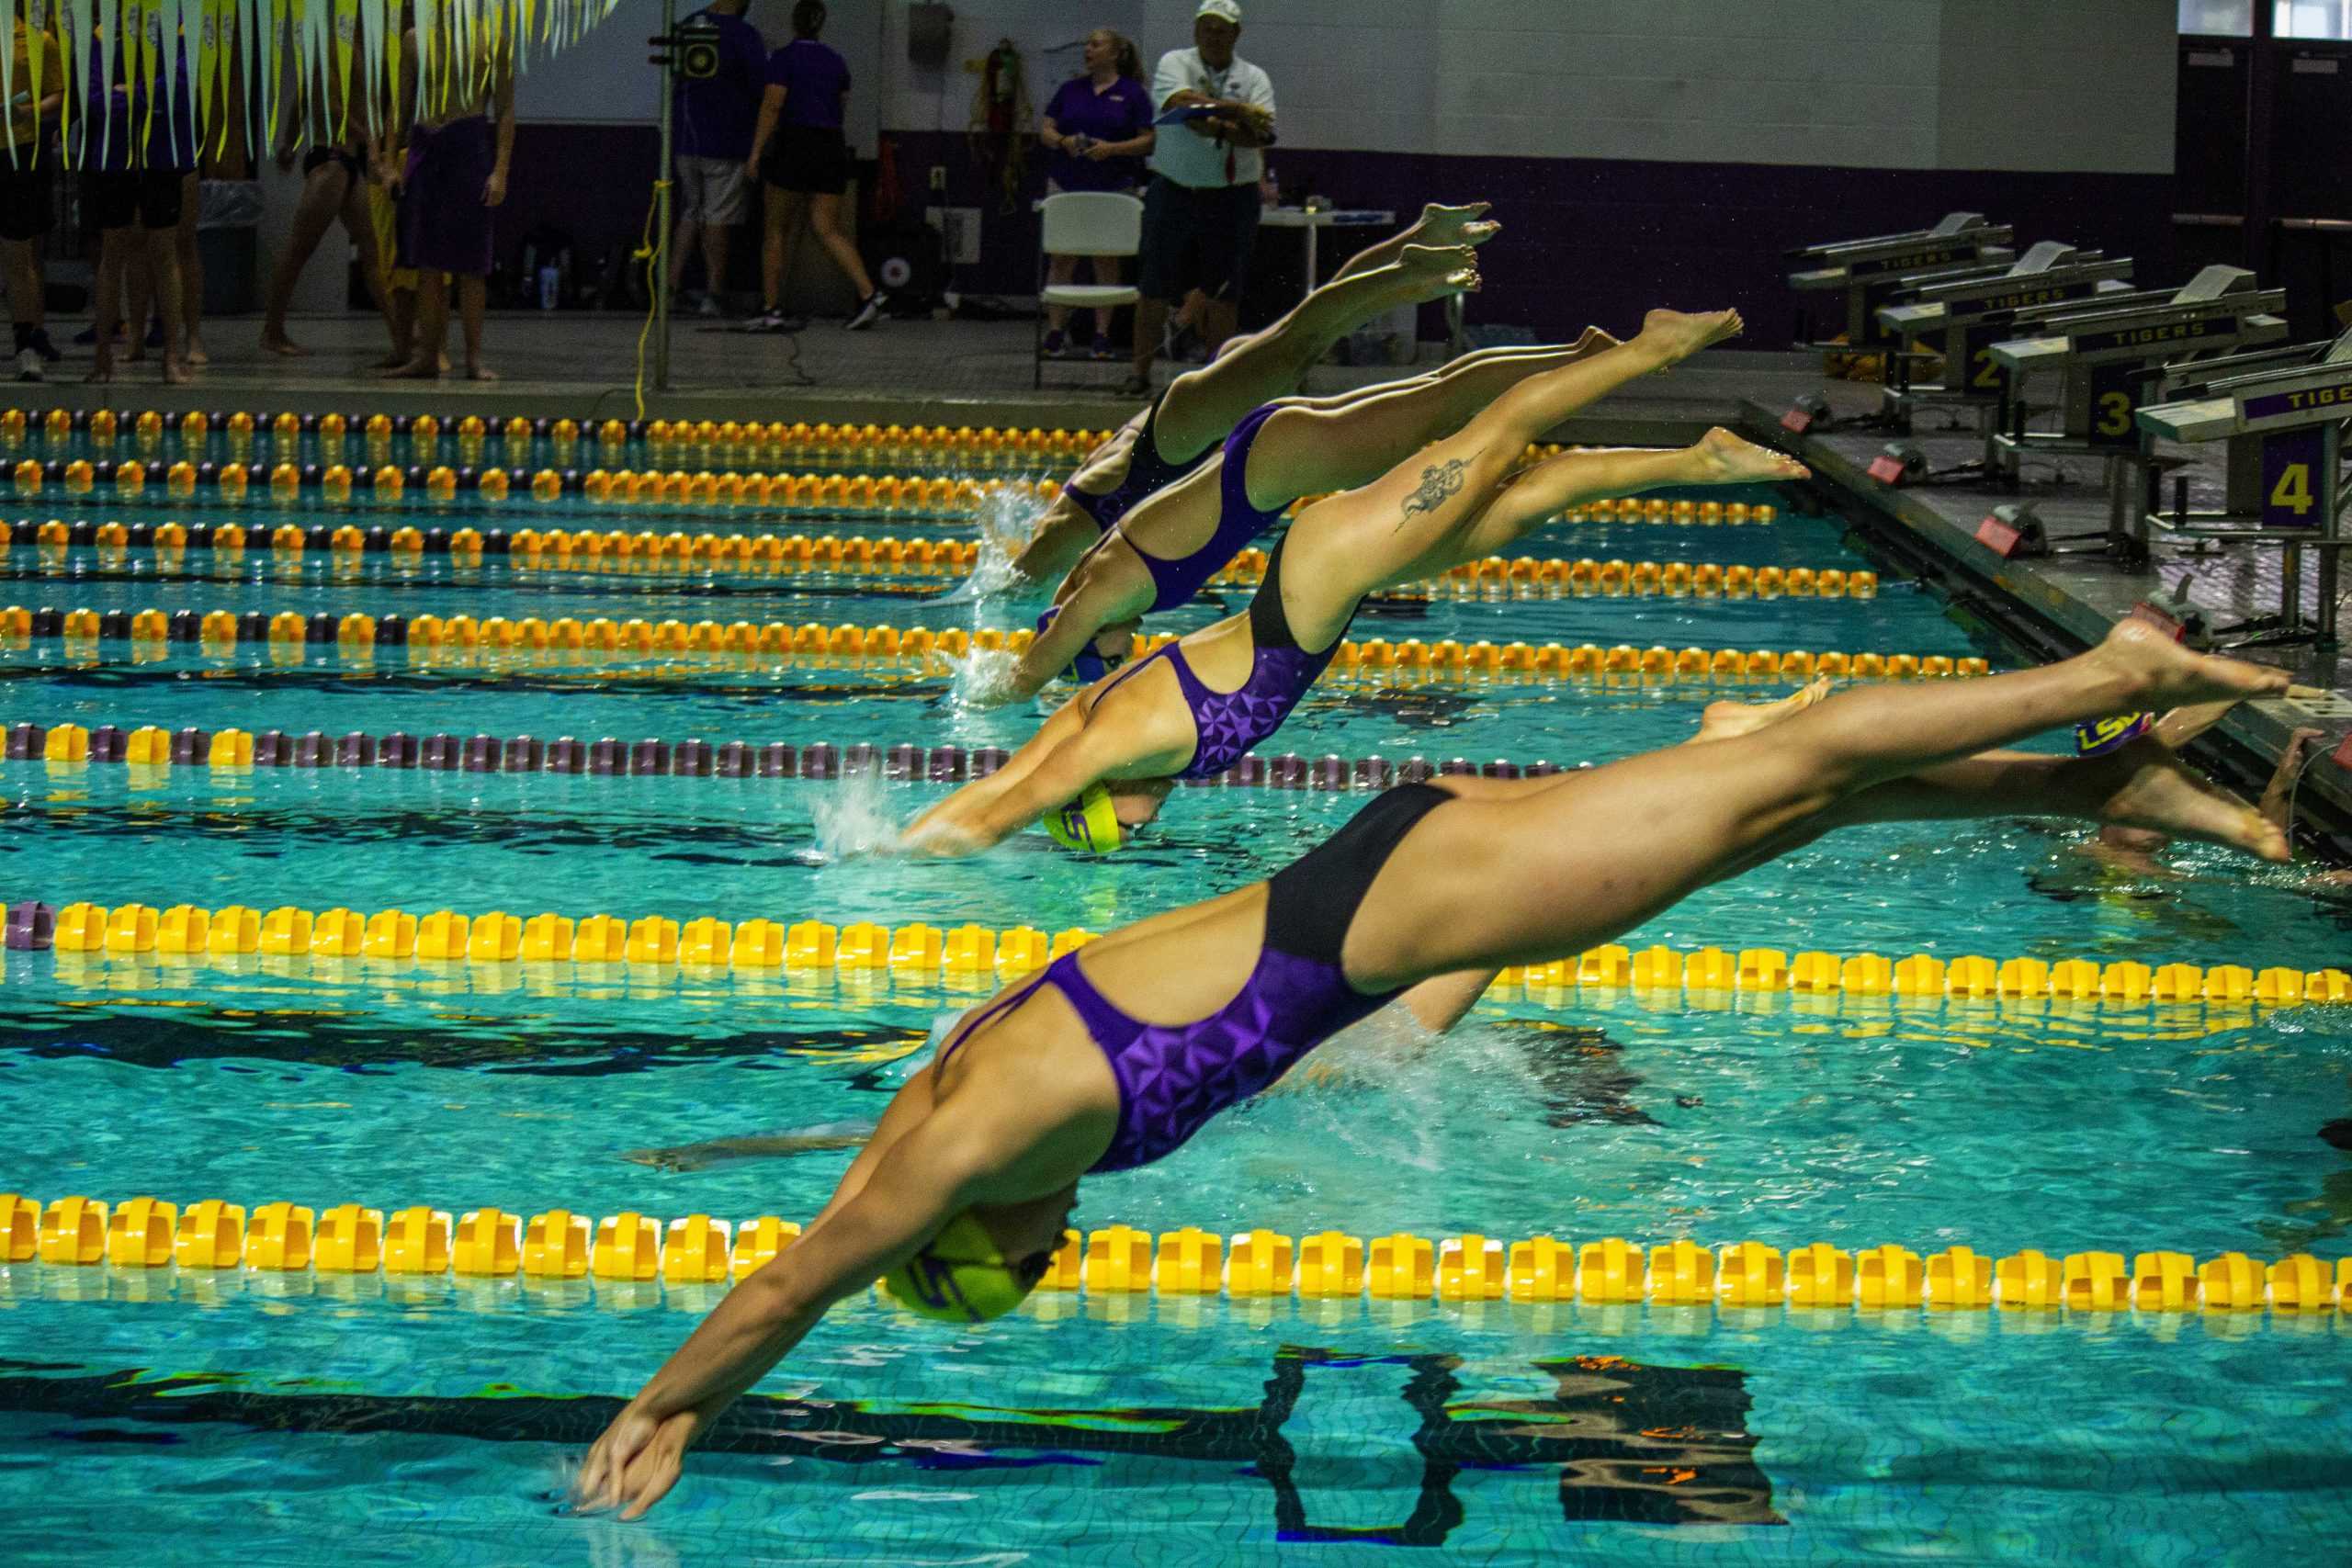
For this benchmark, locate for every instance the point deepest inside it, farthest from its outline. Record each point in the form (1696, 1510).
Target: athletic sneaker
(1054, 344)
(870, 310)
(1101, 348)
(709, 305)
(48, 351)
(28, 363)
(774, 321)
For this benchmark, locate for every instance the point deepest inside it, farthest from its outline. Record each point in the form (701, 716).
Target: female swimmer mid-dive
(1122, 1050)
(1168, 548)
(1107, 757)
(1186, 426)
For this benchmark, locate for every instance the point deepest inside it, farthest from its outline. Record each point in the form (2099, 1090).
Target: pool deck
(2060, 603)
(901, 372)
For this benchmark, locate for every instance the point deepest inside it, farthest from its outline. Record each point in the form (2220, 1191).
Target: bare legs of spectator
(715, 239)
(160, 248)
(329, 193)
(780, 232)
(191, 269)
(825, 217)
(432, 327)
(21, 274)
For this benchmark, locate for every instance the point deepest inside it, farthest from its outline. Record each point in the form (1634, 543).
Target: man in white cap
(1200, 216)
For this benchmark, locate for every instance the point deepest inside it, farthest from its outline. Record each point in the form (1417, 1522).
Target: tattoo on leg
(1440, 483)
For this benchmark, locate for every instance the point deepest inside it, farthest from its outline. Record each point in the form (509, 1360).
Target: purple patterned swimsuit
(1175, 1076)
(1226, 724)
(1147, 474)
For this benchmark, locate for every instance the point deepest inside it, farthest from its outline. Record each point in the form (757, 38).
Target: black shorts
(318, 158)
(28, 197)
(1198, 239)
(121, 198)
(811, 158)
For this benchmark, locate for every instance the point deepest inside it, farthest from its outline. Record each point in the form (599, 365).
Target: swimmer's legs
(2141, 785)
(1569, 867)
(1203, 406)
(1572, 479)
(1332, 444)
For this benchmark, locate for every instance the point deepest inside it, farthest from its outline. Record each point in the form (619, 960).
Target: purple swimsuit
(1147, 474)
(1173, 1078)
(1226, 724)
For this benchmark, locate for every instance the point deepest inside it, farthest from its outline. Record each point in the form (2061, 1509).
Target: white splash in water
(854, 818)
(983, 677)
(1007, 518)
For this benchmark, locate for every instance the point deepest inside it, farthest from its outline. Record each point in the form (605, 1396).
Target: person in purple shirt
(1098, 129)
(799, 151)
(711, 118)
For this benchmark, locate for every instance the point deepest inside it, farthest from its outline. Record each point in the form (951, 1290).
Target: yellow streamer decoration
(279, 49)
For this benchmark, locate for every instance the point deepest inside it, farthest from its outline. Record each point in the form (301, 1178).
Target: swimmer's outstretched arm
(944, 1162)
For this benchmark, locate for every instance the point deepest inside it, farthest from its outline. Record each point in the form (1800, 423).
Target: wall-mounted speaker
(931, 30)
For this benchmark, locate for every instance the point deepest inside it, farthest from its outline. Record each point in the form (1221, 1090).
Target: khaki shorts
(713, 190)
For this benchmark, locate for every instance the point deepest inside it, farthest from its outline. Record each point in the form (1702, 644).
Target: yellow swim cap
(960, 1275)
(1089, 824)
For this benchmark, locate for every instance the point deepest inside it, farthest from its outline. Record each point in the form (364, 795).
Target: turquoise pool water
(251, 1418)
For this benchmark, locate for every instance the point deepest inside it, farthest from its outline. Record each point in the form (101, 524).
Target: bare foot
(2162, 673)
(1730, 460)
(2154, 791)
(282, 345)
(1455, 225)
(481, 373)
(175, 373)
(1679, 334)
(195, 353)
(1721, 721)
(1593, 340)
(414, 370)
(1432, 272)
(100, 373)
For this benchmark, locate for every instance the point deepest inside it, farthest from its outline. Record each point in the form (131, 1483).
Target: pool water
(258, 1418)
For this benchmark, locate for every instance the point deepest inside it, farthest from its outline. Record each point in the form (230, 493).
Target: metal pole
(661, 208)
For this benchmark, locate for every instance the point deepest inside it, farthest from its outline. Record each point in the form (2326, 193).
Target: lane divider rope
(772, 553)
(630, 1247)
(497, 936)
(916, 495)
(768, 641)
(150, 748)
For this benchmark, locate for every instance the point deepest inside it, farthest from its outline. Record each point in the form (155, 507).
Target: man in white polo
(1199, 213)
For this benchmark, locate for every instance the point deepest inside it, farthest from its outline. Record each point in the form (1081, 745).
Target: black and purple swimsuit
(1147, 474)
(1173, 1078)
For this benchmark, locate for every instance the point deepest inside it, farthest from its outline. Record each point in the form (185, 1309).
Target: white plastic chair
(1084, 223)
